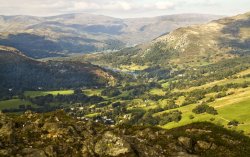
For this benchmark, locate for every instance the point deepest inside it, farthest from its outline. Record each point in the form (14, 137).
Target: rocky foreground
(56, 134)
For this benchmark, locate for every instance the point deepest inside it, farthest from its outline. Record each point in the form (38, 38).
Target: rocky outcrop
(31, 152)
(55, 134)
(6, 129)
(113, 145)
(186, 142)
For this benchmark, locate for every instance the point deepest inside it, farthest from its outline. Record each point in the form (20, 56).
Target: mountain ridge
(83, 33)
(189, 46)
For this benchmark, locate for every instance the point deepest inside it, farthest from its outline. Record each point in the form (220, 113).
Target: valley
(148, 103)
(189, 84)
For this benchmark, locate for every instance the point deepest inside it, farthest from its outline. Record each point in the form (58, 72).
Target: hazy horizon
(123, 8)
(188, 13)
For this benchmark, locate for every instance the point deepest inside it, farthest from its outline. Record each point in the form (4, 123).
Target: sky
(123, 8)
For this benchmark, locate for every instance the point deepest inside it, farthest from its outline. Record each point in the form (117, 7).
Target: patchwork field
(14, 103)
(233, 107)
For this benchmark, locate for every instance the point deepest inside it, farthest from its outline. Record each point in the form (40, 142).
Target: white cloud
(125, 5)
(164, 5)
(53, 6)
(85, 6)
(122, 7)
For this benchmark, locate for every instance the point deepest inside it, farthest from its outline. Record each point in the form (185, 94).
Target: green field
(13, 103)
(132, 67)
(91, 92)
(157, 91)
(92, 115)
(43, 93)
(218, 83)
(239, 111)
(233, 107)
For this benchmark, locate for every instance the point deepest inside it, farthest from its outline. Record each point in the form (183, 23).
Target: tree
(211, 110)
(77, 91)
(170, 117)
(204, 108)
(111, 92)
(21, 107)
(233, 123)
(191, 117)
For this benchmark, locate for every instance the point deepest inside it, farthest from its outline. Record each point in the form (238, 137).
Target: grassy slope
(220, 82)
(157, 91)
(233, 107)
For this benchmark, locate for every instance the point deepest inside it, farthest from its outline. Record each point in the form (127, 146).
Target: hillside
(56, 134)
(20, 72)
(188, 46)
(176, 86)
(74, 83)
(41, 37)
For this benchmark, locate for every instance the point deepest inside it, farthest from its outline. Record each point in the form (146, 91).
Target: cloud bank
(122, 8)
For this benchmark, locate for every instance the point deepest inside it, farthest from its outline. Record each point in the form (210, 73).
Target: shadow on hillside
(40, 47)
(233, 38)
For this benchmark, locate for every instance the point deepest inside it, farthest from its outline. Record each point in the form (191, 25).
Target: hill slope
(20, 72)
(191, 46)
(80, 33)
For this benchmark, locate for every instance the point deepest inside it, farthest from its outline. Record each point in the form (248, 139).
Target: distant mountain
(41, 37)
(20, 72)
(188, 46)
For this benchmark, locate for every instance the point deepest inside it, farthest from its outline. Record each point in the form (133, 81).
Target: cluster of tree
(70, 99)
(190, 97)
(172, 116)
(141, 117)
(23, 108)
(205, 108)
(111, 92)
(6, 94)
(196, 95)
(205, 74)
(246, 76)
(135, 91)
(156, 72)
(159, 55)
(44, 102)
(171, 105)
(140, 91)
(233, 123)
